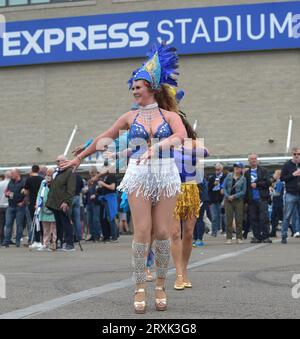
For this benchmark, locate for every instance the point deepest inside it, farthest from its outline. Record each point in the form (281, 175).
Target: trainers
(91, 239)
(255, 241)
(239, 242)
(284, 241)
(297, 235)
(68, 248)
(42, 248)
(199, 243)
(267, 241)
(35, 245)
(229, 242)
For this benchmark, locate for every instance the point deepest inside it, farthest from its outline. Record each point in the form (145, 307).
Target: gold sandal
(160, 304)
(188, 284)
(179, 283)
(140, 306)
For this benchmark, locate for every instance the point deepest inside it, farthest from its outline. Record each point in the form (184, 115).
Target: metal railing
(265, 160)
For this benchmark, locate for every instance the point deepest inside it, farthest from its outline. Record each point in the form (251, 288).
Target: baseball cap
(239, 164)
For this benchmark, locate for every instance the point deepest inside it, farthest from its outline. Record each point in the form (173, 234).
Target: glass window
(58, 1)
(17, 2)
(2, 3)
(39, 1)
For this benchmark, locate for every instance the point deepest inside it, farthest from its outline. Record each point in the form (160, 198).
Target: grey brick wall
(240, 99)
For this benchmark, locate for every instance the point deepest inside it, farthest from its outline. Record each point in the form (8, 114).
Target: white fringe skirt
(152, 180)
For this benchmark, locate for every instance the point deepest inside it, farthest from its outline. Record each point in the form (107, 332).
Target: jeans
(296, 222)
(29, 221)
(277, 215)
(12, 214)
(64, 228)
(259, 219)
(216, 210)
(292, 205)
(2, 224)
(93, 214)
(76, 217)
(110, 228)
(200, 226)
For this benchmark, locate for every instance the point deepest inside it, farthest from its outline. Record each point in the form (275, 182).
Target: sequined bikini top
(138, 131)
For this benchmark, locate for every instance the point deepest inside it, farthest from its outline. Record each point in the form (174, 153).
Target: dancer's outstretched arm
(100, 142)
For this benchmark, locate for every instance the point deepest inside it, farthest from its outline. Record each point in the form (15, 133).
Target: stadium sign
(265, 26)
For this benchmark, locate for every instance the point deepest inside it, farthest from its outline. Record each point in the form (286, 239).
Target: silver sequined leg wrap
(162, 257)
(139, 256)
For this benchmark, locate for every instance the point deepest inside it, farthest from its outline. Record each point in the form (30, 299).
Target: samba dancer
(152, 181)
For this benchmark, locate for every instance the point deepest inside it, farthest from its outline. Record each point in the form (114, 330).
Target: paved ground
(234, 281)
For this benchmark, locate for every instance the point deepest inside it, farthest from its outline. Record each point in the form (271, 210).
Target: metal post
(70, 140)
(289, 136)
(195, 125)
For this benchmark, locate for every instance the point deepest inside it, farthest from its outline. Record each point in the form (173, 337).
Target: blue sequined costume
(139, 136)
(159, 176)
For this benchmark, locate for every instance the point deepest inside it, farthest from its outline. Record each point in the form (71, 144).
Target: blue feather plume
(168, 64)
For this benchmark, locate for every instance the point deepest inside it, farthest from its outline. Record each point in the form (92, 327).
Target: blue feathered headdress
(159, 69)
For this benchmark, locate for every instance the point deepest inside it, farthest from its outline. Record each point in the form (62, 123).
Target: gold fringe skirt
(188, 202)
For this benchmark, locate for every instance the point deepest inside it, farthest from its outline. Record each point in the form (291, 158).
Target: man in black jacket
(16, 207)
(215, 185)
(32, 186)
(258, 183)
(290, 174)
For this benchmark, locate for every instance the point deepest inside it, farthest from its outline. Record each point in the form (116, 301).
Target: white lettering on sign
(97, 37)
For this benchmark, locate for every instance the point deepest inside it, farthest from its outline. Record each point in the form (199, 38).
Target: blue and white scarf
(57, 172)
(40, 205)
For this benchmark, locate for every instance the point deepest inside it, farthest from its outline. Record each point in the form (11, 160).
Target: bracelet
(88, 143)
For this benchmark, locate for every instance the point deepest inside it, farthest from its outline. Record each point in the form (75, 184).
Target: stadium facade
(67, 63)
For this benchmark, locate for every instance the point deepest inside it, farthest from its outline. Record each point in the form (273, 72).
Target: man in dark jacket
(16, 207)
(61, 194)
(200, 225)
(258, 194)
(290, 174)
(215, 185)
